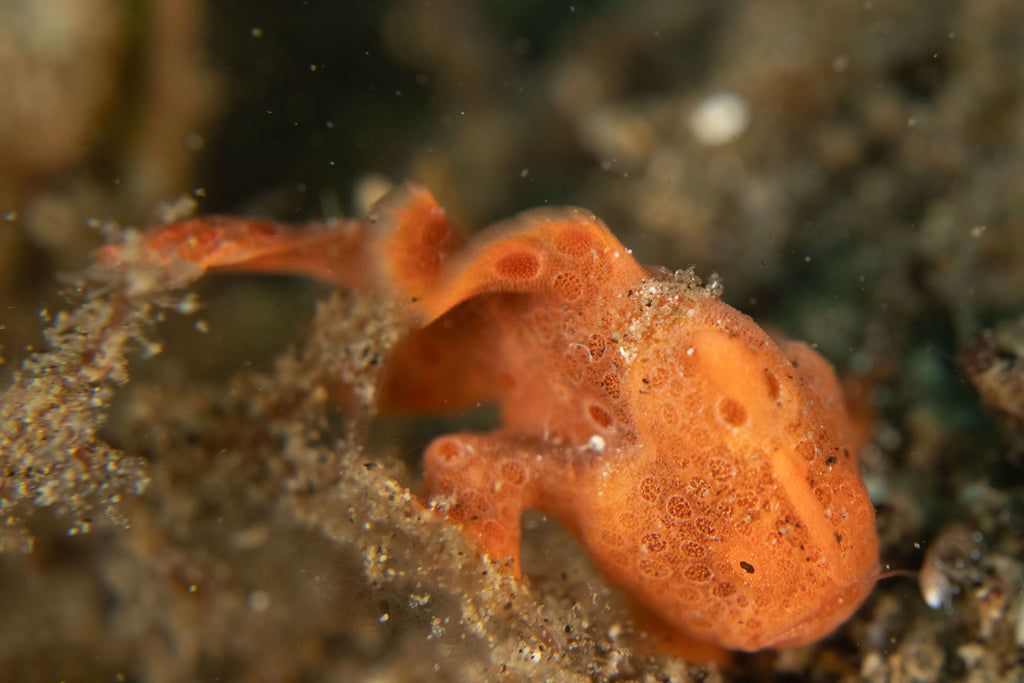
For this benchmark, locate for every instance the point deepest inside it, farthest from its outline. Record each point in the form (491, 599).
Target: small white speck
(259, 601)
(596, 443)
(719, 118)
(525, 172)
(384, 617)
(188, 305)
(689, 351)
(418, 600)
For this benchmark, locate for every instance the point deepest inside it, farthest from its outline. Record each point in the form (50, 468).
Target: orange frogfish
(709, 470)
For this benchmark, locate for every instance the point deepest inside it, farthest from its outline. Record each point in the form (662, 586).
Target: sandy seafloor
(852, 169)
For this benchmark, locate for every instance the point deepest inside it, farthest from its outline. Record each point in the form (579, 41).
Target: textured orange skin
(708, 470)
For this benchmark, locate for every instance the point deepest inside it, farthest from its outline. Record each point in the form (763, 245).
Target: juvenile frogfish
(709, 470)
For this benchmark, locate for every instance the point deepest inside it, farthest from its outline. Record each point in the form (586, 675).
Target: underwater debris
(995, 365)
(50, 452)
(950, 563)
